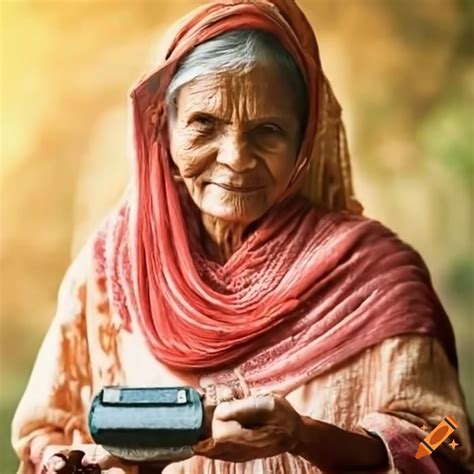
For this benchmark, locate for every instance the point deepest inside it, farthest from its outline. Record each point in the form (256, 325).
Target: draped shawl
(314, 283)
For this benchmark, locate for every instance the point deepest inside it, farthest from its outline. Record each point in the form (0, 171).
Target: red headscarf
(314, 284)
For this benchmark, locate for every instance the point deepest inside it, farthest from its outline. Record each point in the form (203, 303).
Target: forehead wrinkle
(196, 98)
(237, 98)
(253, 100)
(221, 95)
(247, 99)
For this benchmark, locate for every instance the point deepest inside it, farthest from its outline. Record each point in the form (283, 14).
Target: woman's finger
(223, 430)
(247, 411)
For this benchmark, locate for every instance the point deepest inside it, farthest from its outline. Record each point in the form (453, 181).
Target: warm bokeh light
(400, 69)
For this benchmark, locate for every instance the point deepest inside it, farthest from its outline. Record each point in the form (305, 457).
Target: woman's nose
(234, 152)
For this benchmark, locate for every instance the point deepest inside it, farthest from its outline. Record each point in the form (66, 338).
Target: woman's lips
(238, 188)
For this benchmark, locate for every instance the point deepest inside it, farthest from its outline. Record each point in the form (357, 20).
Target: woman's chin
(240, 211)
(232, 214)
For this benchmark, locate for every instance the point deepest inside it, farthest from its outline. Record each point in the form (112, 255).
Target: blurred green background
(402, 69)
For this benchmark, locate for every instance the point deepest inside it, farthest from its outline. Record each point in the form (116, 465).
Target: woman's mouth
(239, 188)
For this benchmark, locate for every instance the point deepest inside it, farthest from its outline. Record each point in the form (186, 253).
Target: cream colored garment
(85, 349)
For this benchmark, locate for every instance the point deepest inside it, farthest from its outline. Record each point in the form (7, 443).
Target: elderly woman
(240, 264)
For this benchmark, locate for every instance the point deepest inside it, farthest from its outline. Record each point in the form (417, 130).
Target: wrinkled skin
(251, 428)
(234, 140)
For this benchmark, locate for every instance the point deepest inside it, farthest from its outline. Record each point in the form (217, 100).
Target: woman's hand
(252, 428)
(84, 458)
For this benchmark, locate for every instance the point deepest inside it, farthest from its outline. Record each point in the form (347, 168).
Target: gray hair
(240, 51)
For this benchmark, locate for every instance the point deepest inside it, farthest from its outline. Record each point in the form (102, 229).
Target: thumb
(246, 411)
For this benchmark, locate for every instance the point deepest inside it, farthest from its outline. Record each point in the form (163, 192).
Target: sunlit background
(400, 68)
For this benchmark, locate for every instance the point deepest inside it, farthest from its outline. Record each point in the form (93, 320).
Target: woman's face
(234, 139)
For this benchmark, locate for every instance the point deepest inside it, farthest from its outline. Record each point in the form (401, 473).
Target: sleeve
(417, 389)
(53, 406)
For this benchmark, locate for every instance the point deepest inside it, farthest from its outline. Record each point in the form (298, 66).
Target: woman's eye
(270, 128)
(204, 123)
(268, 133)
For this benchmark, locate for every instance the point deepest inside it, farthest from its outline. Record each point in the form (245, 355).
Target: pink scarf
(305, 291)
